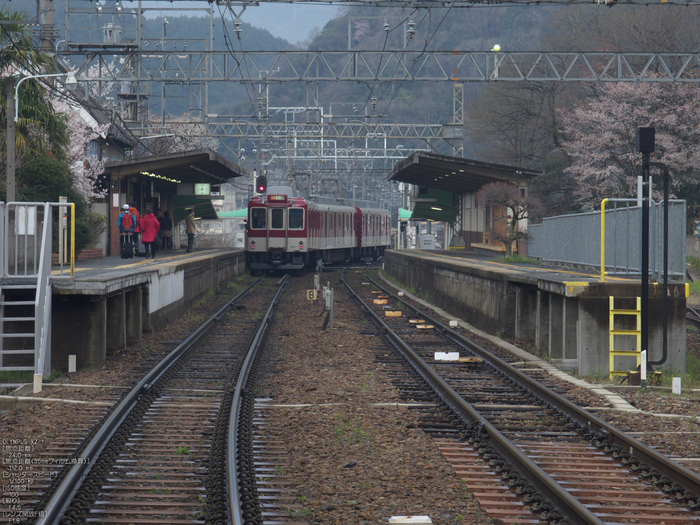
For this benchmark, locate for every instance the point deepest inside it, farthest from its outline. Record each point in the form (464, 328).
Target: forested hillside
(549, 126)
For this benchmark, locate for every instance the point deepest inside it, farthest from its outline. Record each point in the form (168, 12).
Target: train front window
(296, 219)
(277, 218)
(258, 218)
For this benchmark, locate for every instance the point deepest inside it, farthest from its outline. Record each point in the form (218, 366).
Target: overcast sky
(293, 22)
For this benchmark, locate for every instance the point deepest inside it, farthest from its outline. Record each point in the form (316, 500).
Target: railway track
(178, 448)
(526, 453)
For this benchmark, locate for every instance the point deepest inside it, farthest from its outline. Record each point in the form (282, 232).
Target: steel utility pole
(645, 145)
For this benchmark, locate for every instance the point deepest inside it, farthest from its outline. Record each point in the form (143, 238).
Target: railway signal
(261, 184)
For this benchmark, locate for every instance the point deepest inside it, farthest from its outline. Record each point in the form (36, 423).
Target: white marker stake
(676, 385)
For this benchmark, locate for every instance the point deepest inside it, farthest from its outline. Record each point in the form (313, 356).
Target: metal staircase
(25, 287)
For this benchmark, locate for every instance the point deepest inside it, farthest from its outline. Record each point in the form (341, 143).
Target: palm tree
(40, 130)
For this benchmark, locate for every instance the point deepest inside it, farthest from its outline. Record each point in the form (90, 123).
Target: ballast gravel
(349, 461)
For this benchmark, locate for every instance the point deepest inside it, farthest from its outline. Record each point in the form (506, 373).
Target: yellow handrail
(602, 240)
(72, 240)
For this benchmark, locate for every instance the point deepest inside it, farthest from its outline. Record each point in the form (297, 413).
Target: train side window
(296, 219)
(277, 218)
(258, 218)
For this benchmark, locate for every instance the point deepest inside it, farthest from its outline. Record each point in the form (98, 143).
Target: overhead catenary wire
(227, 43)
(420, 54)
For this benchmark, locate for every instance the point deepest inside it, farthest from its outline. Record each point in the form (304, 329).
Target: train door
(297, 240)
(277, 238)
(358, 228)
(257, 231)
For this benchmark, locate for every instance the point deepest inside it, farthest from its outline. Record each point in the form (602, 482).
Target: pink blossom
(82, 129)
(601, 136)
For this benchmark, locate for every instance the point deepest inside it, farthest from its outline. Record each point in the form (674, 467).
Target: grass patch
(183, 450)
(694, 288)
(300, 513)
(354, 432)
(691, 378)
(16, 376)
(55, 374)
(27, 376)
(597, 378)
(396, 282)
(694, 262)
(517, 258)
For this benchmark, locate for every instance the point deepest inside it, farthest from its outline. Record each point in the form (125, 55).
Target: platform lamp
(495, 50)
(13, 108)
(645, 145)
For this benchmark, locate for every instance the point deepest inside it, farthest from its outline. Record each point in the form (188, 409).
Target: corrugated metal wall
(575, 239)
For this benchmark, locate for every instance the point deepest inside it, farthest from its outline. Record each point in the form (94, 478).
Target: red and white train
(288, 232)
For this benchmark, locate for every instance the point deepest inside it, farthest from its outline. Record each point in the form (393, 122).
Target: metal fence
(576, 239)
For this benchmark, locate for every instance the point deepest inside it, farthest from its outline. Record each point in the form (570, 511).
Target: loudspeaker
(646, 139)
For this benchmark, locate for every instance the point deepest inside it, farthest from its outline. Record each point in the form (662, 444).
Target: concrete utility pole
(9, 118)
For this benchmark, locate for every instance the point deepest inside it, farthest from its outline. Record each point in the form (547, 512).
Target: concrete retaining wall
(483, 299)
(567, 321)
(97, 317)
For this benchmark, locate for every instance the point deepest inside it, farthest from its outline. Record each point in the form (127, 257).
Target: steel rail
(576, 513)
(235, 506)
(65, 492)
(616, 439)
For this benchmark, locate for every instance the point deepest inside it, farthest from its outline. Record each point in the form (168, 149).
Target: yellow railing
(72, 240)
(602, 240)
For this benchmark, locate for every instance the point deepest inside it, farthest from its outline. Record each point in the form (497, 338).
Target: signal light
(261, 184)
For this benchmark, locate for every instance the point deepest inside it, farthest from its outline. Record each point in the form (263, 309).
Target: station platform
(564, 312)
(112, 301)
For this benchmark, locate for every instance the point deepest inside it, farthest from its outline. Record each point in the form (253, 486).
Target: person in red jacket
(149, 230)
(137, 217)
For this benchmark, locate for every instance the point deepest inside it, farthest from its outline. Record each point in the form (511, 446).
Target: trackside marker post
(676, 386)
(412, 520)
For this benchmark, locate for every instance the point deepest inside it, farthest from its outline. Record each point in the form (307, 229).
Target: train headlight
(252, 244)
(301, 245)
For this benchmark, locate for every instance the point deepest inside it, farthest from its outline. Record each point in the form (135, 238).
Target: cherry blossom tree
(600, 137)
(82, 130)
(515, 206)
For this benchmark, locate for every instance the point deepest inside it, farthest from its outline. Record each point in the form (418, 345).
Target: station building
(173, 182)
(446, 192)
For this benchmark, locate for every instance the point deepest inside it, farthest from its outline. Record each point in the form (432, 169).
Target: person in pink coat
(149, 230)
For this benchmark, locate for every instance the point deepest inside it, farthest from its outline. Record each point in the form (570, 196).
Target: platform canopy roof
(235, 214)
(455, 174)
(194, 166)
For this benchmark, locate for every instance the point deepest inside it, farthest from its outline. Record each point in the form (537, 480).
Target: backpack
(128, 222)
